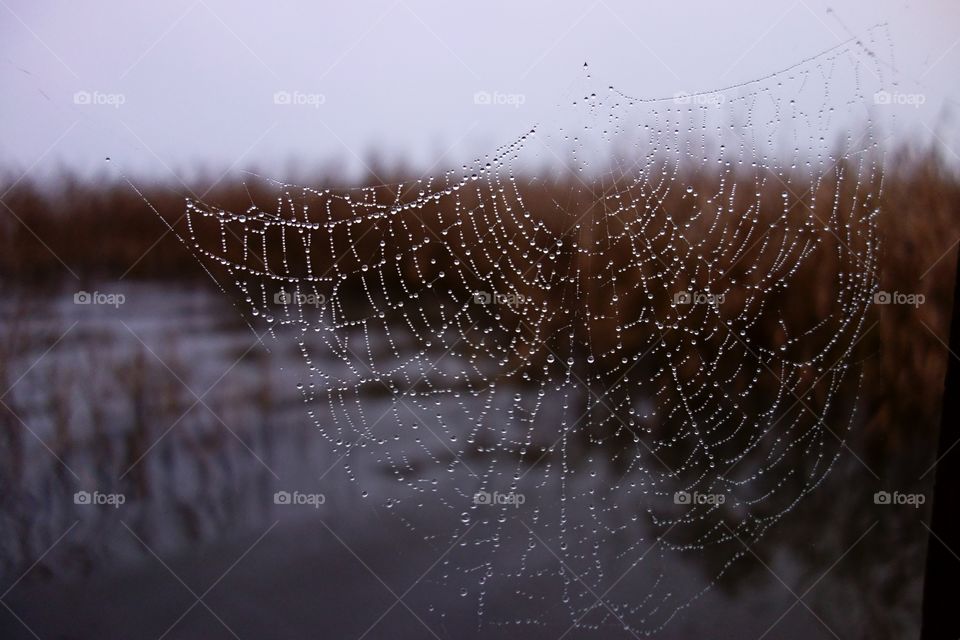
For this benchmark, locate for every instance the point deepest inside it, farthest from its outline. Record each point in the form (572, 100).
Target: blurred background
(152, 395)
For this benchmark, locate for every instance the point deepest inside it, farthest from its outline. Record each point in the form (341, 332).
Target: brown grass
(103, 231)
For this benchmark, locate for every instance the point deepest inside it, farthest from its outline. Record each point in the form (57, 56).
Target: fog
(169, 89)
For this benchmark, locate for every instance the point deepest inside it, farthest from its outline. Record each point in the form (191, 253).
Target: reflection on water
(171, 402)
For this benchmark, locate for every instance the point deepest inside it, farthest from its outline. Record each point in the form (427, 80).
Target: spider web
(569, 380)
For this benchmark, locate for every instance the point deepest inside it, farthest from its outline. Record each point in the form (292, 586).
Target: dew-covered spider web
(618, 347)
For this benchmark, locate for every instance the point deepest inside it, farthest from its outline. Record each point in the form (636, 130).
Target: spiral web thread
(559, 372)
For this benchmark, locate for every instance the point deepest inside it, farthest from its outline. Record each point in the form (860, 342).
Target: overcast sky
(175, 86)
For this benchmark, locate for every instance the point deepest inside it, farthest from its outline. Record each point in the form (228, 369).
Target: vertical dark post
(941, 603)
